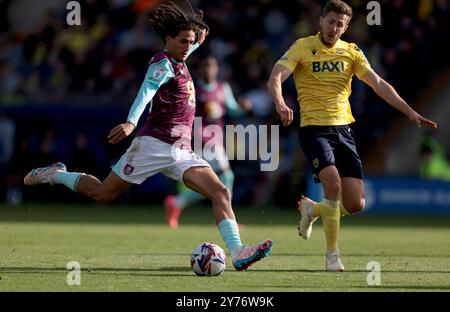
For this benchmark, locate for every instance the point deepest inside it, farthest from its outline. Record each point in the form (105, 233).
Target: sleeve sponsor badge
(158, 73)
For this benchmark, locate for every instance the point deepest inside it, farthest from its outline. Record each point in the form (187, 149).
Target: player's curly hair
(174, 16)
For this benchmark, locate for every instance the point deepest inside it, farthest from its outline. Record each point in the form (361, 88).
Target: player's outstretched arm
(279, 74)
(388, 93)
(157, 75)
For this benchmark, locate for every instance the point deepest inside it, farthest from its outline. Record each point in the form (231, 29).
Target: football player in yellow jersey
(323, 67)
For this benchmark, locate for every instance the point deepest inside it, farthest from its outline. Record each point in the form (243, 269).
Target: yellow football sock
(331, 216)
(344, 211)
(316, 210)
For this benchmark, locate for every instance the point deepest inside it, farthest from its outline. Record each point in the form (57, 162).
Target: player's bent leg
(81, 183)
(331, 216)
(227, 178)
(174, 205)
(102, 192)
(206, 182)
(353, 196)
(53, 174)
(331, 183)
(309, 210)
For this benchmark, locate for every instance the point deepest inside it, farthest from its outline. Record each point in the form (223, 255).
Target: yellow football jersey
(323, 78)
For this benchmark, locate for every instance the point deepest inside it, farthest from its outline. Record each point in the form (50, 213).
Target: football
(208, 259)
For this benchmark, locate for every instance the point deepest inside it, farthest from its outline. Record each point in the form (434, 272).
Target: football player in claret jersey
(215, 100)
(323, 66)
(163, 143)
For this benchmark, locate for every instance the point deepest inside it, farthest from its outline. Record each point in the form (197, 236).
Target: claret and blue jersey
(169, 88)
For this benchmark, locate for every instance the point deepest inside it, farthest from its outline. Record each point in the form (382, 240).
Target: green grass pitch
(123, 248)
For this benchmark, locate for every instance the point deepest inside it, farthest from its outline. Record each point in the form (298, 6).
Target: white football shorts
(147, 156)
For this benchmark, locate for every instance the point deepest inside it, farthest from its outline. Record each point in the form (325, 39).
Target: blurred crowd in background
(87, 76)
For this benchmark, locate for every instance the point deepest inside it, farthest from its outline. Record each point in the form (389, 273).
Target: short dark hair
(169, 19)
(339, 7)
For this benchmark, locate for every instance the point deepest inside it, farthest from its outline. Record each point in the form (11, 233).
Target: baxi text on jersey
(320, 67)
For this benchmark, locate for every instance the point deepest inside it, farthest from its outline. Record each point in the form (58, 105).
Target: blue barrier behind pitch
(400, 195)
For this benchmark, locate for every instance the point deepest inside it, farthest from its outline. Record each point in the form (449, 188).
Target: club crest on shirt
(128, 169)
(191, 91)
(158, 73)
(314, 51)
(315, 163)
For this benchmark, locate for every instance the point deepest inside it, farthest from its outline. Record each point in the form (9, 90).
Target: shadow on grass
(164, 271)
(363, 255)
(154, 214)
(353, 271)
(136, 271)
(340, 288)
(406, 287)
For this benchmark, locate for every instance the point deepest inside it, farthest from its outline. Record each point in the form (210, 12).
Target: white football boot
(334, 263)
(306, 221)
(43, 175)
